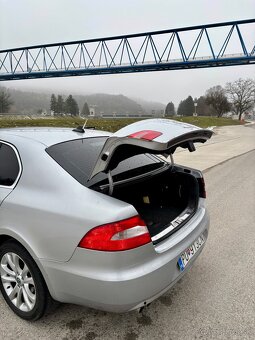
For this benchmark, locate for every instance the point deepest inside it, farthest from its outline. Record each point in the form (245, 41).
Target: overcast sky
(33, 22)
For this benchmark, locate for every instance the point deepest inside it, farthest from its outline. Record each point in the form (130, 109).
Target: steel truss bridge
(214, 45)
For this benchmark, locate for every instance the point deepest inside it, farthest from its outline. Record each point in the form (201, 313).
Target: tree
(241, 94)
(71, 106)
(180, 108)
(53, 103)
(5, 101)
(186, 107)
(189, 107)
(75, 111)
(203, 109)
(60, 104)
(217, 98)
(85, 110)
(170, 110)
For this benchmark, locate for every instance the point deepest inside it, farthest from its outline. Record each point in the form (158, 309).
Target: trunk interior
(161, 198)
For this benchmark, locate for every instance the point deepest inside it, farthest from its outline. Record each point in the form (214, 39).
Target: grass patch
(205, 122)
(111, 124)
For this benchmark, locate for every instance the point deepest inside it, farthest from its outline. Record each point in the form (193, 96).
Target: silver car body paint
(49, 212)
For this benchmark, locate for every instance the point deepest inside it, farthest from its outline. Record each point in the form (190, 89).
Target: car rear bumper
(123, 281)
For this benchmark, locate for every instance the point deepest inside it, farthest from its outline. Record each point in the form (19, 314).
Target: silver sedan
(97, 219)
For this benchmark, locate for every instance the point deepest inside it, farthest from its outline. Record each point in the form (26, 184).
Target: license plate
(190, 252)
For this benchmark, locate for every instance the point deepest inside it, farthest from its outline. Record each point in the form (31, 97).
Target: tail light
(202, 191)
(122, 235)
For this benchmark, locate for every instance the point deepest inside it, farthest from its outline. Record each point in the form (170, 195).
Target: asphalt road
(215, 300)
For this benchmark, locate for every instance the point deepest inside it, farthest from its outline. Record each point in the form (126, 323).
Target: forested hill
(28, 102)
(25, 102)
(109, 104)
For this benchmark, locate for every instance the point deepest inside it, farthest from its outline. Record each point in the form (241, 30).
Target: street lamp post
(195, 104)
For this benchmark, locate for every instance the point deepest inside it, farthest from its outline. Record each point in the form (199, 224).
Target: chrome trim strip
(174, 224)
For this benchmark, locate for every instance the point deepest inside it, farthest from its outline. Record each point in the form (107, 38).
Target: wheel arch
(9, 236)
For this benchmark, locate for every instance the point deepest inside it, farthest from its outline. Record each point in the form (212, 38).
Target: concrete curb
(226, 160)
(249, 123)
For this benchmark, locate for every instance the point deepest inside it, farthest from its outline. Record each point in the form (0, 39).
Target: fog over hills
(33, 102)
(109, 104)
(149, 106)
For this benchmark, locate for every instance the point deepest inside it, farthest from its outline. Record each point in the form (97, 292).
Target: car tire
(21, 282)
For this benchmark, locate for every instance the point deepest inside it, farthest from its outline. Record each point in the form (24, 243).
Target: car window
(9, 165)
(78, 158)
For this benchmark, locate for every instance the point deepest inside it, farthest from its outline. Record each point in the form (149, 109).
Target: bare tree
(204, 109)
(5, 100)
(216, 97)
(241, 94)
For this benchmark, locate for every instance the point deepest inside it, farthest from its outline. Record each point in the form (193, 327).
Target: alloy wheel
(18, 282)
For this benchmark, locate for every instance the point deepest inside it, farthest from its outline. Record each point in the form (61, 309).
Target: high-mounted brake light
(122, 235)
(146, 135)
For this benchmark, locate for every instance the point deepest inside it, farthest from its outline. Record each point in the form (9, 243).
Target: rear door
(155, 136)
(10, 169)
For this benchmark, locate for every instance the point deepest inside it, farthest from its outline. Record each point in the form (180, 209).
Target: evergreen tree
(71, 106)
(189, 106)
(60, 104)
(170, 110)
(5, 101)
(53, 103)
(180, 108)
(186, 107)
(85, 109)
(75, 111)
(68, 104)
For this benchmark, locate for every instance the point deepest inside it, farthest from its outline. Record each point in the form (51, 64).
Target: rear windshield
(78, 158)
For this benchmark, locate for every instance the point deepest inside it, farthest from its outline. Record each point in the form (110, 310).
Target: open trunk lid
(155, 136)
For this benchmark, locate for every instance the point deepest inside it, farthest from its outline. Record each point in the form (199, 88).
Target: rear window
(78, 158)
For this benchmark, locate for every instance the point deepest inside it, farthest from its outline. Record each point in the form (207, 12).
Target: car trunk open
(165, 200)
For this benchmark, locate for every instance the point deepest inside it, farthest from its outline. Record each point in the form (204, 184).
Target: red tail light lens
(202, 191)
(122, 235)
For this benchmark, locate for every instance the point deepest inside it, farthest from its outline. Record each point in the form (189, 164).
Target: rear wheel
(21, 282)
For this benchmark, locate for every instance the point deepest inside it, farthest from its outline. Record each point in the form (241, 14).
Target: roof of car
(48, 136)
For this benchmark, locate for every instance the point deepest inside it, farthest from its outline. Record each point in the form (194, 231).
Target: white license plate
(190, 252)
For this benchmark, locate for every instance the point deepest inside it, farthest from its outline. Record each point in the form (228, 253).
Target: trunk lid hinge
(172, 158)
(111, 184)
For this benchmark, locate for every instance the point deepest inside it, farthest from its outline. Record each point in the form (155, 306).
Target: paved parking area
(215, 300)
(227, 142)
